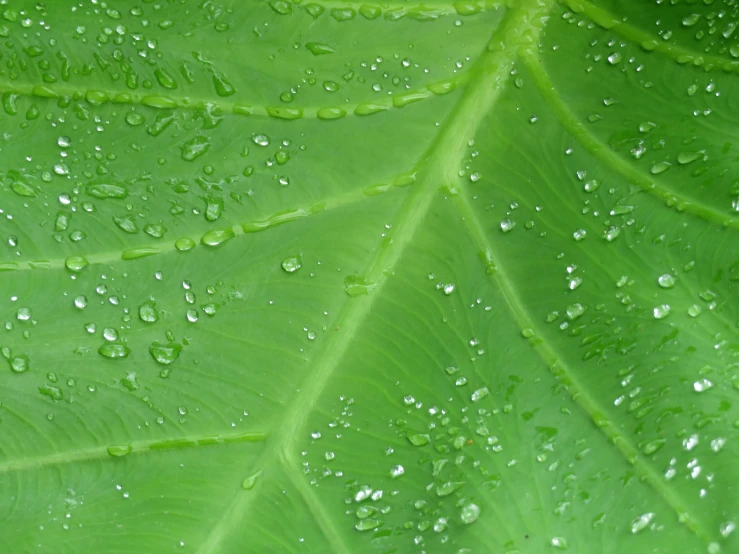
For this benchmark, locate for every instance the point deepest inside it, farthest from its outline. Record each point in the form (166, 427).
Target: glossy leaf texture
(335, 276)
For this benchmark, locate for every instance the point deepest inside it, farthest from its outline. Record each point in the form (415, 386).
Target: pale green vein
(125, 449)
(216, 236)
(438, 167)
(396, 10)
(98, 97)
(647, 40)
(579, 131)
(565, 374)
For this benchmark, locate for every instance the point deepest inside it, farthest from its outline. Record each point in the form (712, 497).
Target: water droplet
(418, 439)
(19, 364)
(507, 225)
(216, 237)
(222, 85)
(479, 394)
(110, 334)
(591, 186)
(318, 49)
(52, 392)
(76, 263)
(688, 157)
(134, 119)
(614, 58)
(560, 543)
(195, 147)
(396, 471)
(661, 311)
(148, 312)
(291, 264)
(612, 233)
(640, 523)
(165, 353)
(447, 488)
(105, 191)
(469, 513)
(702, 385)
(660, 167)
(114, 350)
(23, 314)
(80, 302)
(184, 244)
(653, 446)
(449, 289)
(367, 524)
(250, 482)
(574, 311)
(690, 20)
(666, 281)
(118, 451)
(580, 234)
(365, 511)
(261, 140)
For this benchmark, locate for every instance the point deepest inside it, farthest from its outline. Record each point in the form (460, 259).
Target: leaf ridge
(600, 150)
(438, 167)
(434, 9)
(202, 239)
(646, 40)
(168, 102)
(135, 447)
(564, 374)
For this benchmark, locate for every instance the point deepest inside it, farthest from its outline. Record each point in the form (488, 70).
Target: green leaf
(332, 276)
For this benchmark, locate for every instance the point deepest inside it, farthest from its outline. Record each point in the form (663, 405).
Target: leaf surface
(343, 277)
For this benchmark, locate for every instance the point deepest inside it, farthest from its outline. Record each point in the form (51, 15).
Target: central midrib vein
(521, 27)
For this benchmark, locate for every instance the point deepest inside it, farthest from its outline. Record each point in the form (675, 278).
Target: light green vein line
(286, 111)
(565, 374)
(125, 449)
(439, 166)
(394, 10)
(204, 239)
(570, 122)
(647, 40)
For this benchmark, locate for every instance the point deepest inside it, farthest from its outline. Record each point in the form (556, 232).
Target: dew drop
(114, 350)
(666, 281)
(640, 523)
(661, 311)
(507, 225)
(470, 513)
(19, 364)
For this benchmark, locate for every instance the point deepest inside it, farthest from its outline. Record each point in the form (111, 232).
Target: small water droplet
(367, 524)
(660, 167)
(291, 264)
(250, 482)
(641, 522)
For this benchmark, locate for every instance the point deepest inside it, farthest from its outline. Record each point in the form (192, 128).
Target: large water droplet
(470, 513)
(114, 350)
(165, 353)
